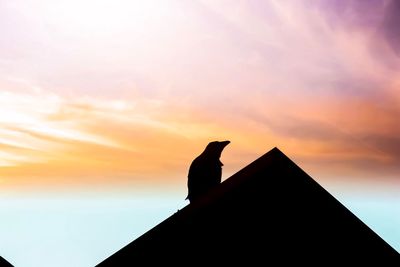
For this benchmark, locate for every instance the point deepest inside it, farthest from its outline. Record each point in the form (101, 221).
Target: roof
(270, 211)
(4, 263)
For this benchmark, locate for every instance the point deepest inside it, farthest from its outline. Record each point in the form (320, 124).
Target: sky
(105, 103)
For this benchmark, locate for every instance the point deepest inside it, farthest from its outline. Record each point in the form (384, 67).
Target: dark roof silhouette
(269, 213)
(4, 263)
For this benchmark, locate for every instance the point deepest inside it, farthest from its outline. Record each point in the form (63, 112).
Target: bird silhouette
(205, 171)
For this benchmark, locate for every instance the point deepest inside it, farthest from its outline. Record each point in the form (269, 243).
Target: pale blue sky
(76, 230)
(81, 230)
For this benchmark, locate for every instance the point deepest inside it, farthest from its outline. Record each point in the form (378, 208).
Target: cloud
(359, 139)
(53, 141)
(391, 25)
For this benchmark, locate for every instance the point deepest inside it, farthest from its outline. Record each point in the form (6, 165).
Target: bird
(205, 172)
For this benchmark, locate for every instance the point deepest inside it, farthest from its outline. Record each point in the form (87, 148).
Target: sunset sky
(112, 99)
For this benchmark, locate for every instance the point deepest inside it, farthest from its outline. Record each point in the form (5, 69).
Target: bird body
(205, 171)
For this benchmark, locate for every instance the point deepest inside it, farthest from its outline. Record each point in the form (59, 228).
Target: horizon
(112, 100)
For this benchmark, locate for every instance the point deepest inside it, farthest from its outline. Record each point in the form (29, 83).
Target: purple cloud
(391, 26)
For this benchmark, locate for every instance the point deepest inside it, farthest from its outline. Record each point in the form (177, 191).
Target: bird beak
(225, 143)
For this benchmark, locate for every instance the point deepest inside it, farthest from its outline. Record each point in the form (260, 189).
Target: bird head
(215, 148)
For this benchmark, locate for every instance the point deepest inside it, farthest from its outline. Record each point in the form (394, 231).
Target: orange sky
(107, 93)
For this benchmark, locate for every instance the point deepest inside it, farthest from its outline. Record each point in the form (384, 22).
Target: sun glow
(104, 17)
